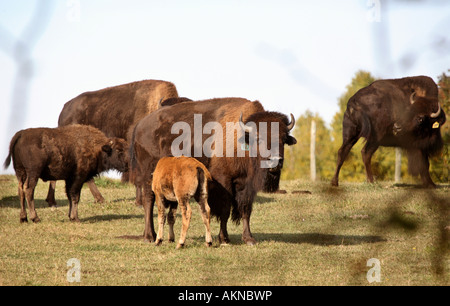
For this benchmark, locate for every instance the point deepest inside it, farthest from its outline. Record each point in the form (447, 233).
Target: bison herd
(235, 147)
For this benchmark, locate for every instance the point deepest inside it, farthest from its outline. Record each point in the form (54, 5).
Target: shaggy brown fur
(114, 110)
(385, 114)
(74, 153)
(236, 179)
(179, 179)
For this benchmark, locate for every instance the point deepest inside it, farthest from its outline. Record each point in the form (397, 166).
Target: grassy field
(312, 235)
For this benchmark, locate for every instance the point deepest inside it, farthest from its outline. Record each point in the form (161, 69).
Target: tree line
(329, 140)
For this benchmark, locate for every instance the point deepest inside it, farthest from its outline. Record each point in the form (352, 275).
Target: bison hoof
(99, 200)
(430, 185)
(250, 241)
(224, 240)
(36, 220)
(51, 203)
(149, 238)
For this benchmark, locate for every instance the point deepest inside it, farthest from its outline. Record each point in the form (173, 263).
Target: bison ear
(107, 149)
(291, 140)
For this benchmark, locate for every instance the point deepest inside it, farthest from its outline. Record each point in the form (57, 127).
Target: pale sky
(290, 55)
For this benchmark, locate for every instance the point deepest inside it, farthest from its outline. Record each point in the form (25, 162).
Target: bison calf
(74, 153)
(179, 179)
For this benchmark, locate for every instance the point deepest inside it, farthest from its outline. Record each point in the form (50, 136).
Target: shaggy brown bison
(114, 110)
(220, 133)
(179, 179)
(74, 153)
(395, 113)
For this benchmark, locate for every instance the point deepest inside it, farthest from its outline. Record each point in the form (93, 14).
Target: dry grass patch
(318, 236)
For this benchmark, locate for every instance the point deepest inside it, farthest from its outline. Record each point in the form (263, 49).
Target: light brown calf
(179, 179)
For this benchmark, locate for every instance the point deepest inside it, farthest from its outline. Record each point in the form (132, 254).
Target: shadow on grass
(417, 186)
(110, 217)
(308, 238)
(319, 239)
(266, 198)
(13, 201)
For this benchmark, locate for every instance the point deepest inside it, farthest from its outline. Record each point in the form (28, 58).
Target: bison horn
(411, 98)
(434, 115)
(243, 127)
(291, 124)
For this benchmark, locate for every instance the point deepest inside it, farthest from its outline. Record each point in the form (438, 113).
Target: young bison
(74, 153)
(179, 179)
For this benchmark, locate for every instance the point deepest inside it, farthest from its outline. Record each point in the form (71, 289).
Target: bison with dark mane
(237, 175)
(395, 113)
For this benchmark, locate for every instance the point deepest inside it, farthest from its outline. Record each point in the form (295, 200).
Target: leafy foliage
(440, 168)
(299, 154)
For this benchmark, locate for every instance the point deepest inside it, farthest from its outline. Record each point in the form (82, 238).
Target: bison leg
(223, 232)
(30, 184)
(139, 199)
(425, 173)
(247, 235)
(51, 194)
(73, 190)
(171, 220)
(426, 179)
(206, 216)
(94, 190)
(161, 218)
(148, 201)
(186, 213)
(244, 199)
(350, 135)
(221, 202)
(418, 164)
(367, 153)
(23, 211)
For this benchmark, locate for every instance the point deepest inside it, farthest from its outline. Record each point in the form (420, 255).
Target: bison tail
(11, 149)
(202, 181)
(7, 161)
(366, 126)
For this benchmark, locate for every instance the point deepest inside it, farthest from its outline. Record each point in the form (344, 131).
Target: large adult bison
(222, 134)
(72, 153)
(114, 110)
(395, 113)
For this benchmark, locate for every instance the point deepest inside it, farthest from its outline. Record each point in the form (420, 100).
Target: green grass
(322, 238)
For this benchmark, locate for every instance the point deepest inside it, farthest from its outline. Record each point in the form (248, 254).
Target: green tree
(297, 157)
(439, 165)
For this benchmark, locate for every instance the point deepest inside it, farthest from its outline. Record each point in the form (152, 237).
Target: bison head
(424, 119)
(267, 134)
(115, 155)
(425, 114)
